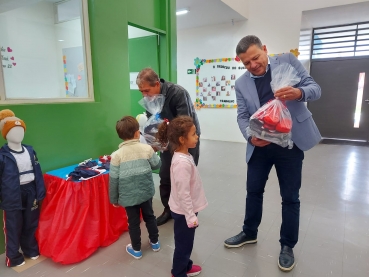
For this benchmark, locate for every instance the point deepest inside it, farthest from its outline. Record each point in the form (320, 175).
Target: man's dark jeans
(288, 165)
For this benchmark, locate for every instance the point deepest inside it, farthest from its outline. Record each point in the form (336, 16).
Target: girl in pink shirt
(187, 195)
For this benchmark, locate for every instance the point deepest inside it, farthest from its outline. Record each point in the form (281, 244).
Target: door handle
(366, 100)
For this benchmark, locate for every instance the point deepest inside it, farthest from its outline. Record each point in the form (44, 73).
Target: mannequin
(142, 119)
(21, 189)
(15, 138)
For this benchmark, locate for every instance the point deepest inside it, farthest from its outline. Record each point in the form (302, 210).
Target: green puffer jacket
(130, 176)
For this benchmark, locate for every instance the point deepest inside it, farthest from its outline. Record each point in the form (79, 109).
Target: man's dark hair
(147, 75)
(246, 42)
(127, 127)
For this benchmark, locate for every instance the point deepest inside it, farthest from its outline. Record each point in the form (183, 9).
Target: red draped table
(77, 218)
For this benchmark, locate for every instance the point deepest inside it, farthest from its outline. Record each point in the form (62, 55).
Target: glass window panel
(304, 57)
(305, 38)
(363, 37)
(333, 50)
(362, 48)
(360, 32)
(44, 57)
(304, 47)
(362, 42)
(335, 39)
(362, 53)
(363, 26)
(329, 45)
(333, 55)
(304, 52)
(305, 42)
(335, 29)
(335, 35)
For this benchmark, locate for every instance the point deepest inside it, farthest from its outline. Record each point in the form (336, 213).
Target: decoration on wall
(215, 81)
(74, 72)
(65, 74)
(7, 59)
(295, 52)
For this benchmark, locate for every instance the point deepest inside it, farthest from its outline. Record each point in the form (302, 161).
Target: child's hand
(115, 205)
(195, 224)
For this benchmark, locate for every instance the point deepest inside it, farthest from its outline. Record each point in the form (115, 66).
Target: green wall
(64, 134)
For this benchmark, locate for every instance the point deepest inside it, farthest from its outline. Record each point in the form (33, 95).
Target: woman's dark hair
(172, 131)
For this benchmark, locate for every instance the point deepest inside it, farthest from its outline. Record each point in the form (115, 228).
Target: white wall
(216, 41)
(276, 24)
(328, 17)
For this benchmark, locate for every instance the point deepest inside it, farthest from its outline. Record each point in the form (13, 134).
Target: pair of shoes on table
(138, 254)
(286, 260)
(194, 271)
(163, 218)
(239, 240)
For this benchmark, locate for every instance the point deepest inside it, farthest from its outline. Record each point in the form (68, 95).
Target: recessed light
(60, 39)
(180, 12)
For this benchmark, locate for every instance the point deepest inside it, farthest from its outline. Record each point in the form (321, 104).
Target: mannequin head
(142, 119)
(12, 129)
(15, 135)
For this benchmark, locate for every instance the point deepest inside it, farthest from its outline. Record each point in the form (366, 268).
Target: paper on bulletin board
(132, 80)
(215, 84)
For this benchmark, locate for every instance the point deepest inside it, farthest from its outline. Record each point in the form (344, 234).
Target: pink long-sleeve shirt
(187, 194)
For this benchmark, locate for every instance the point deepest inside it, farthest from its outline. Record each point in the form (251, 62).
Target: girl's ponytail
(162, 134)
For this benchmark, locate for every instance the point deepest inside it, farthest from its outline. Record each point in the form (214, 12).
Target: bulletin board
(215, 81)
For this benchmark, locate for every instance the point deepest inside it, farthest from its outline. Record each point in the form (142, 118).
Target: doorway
(342, 112)
(143, 48)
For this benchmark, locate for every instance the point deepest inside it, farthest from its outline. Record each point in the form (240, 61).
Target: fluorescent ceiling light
(180, 12)
(60, 39)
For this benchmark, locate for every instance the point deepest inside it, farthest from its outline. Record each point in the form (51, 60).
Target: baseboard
(344, 142)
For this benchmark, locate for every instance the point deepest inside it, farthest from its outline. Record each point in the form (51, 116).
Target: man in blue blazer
(253, 90)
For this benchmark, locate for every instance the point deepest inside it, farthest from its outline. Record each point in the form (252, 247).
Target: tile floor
(334, 230)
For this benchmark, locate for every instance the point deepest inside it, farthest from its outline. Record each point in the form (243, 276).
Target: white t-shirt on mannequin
(15, 137)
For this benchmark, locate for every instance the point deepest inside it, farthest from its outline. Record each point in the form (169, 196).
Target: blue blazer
(305, 133)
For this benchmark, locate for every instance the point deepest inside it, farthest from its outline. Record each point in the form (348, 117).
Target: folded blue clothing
(82, 173)
(64, 172)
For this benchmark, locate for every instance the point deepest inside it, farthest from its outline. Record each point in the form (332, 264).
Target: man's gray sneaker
(239, 240)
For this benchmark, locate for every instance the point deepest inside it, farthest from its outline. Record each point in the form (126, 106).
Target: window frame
(86, 44)
(355, 38)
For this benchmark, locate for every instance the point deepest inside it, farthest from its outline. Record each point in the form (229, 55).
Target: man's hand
(259, 142)
(288, 93)
(115, 205)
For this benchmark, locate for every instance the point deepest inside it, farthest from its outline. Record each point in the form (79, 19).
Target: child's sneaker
(23, 263)
(35, 257)
(155, 246)
(195, 270)
(135, 254)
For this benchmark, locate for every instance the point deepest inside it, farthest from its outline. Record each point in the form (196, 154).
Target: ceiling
(205, 12)
(202, 12)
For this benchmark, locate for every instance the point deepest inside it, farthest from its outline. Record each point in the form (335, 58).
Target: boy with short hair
(131, 184)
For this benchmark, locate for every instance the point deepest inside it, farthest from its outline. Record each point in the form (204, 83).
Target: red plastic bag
(272, 122)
